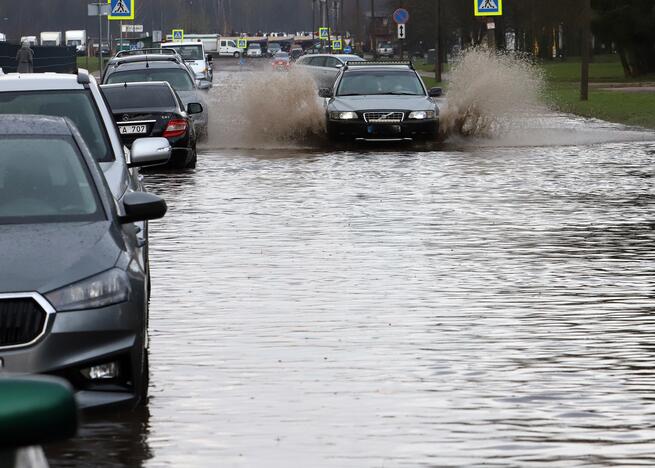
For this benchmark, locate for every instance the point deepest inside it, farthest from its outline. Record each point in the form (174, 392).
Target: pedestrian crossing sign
(324, 34)
(120, 10)
(178, 35)
(337, 45)
(488, 7)
(242, 44)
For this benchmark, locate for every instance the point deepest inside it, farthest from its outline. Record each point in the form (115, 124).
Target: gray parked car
(73, 285)
(169, 68)
(325, 67)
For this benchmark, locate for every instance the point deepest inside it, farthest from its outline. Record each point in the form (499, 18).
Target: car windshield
(44, 180)
(188, 52)
(139, 97)
(255, 46)
(281, 55)
(177, 78)
(372, 82)
(76, 105)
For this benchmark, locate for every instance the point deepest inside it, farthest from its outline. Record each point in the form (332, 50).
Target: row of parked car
(74, 214)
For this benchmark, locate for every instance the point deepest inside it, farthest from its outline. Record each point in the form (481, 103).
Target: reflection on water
(480, 305)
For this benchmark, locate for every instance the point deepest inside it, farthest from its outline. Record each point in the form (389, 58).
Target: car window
(188, 52)
(380, 82)
(139, 97)
(45, 180)
(78, 106)
(177, 78)
(331, 62)
(317, 61)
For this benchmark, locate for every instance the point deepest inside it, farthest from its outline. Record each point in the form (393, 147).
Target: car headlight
(343, 115)
(110, 287)
(422, 115)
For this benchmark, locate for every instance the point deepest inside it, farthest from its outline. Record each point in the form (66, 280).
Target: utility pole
(358, 22)
(313, 22)
(372, 28)
(586, 46)
(437, 50)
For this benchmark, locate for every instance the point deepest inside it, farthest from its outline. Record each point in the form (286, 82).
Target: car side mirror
(36, 411)
(203, 84)
(325, 93)
(435, 92)
(142, 206)
(339, 65)
(194, 108)
(150, 152)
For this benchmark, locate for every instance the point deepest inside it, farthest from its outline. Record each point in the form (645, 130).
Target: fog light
(108, 371)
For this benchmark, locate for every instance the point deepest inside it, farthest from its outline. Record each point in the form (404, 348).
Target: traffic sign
(337, 45)
(120, 10)
(488, 7)
(402, 31)
(347, 50)
(401, 16)
(324, 34)
(178, 35)
(242, 44)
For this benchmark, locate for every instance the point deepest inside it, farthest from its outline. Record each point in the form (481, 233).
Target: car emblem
(126, 117)
(385, 117)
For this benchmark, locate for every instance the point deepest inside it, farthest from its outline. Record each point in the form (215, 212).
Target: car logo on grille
(126, 117)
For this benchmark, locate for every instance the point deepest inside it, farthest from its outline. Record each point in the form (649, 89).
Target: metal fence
(46, 58)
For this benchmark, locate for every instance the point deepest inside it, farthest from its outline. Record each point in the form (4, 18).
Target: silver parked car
(324, 67)
(73, 285)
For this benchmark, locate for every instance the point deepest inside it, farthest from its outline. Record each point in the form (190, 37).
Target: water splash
(265, 110)
(491, 92)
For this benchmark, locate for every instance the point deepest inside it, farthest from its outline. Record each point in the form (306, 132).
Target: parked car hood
(44, 257)
(386, 102)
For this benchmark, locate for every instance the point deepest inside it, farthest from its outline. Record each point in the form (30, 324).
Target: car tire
(194, 160)
(144, 380)
(236, 55)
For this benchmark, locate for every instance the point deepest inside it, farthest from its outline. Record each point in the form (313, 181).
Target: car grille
(21, 321)
(383, 117)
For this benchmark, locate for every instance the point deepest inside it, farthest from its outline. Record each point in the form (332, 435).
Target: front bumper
(359, 130)
(80, 339)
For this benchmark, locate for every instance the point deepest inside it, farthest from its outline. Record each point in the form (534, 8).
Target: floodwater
(489, 302)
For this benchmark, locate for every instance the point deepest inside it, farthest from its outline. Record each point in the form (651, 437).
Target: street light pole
(372, 27)
(586, 46)
(437, 50)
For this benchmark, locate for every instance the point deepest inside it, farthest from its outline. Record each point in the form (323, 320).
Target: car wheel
(144, 380)
(194, 160)
(236, 55)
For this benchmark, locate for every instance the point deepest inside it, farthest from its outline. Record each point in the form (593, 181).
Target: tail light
(175, 128)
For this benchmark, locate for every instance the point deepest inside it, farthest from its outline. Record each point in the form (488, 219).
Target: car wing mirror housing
(435, 92)
(325, 93)
(203, 84)
(142, 206)
(36, 411)
(150, 152)
(194, 108)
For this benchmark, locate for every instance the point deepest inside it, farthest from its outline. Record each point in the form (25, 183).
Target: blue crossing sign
(120, 10)
(178, 35)
(488, 7)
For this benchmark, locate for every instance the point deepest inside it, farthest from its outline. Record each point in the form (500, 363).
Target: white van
(30, 40)
(3, 37)
(228, 48)
(194, 55)
(51, 39)
(76, 39)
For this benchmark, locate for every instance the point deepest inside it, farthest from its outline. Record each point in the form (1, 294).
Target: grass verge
(89, 63)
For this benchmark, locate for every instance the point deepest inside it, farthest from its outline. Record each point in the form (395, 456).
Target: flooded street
(486, 303)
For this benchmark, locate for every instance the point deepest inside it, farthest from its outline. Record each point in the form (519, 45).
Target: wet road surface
(486, 303)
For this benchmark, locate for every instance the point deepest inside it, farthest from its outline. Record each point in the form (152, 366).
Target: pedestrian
(25, 59)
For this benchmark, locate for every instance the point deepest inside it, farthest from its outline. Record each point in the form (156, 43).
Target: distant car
(374, 101)
(155, 110)
(281, 62)
(254, 50)
(73, 285)
(385, 49)
(169, 68)
(325, 67)
(193, 53)
(273, 48)
(296, 53)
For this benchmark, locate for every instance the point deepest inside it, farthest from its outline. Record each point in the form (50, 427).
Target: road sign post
(401, 17)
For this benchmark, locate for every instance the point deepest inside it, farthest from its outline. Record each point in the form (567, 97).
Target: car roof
(33, 125)
(44, 81)
(184, 43)
(142, 65)
(137, 84)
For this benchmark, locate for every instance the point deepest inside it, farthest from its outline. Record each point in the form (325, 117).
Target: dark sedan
(155, 110)
(73, 286)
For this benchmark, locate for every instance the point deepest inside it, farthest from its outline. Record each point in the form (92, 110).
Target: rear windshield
(140, 97)
(177, 78)
(78, 106)
(45, 180)
(188, 52)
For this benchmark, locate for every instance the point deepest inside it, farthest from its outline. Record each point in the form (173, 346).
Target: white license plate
(133, 129)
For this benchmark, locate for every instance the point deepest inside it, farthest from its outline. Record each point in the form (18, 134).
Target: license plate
(133, 129)
(383, 130)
